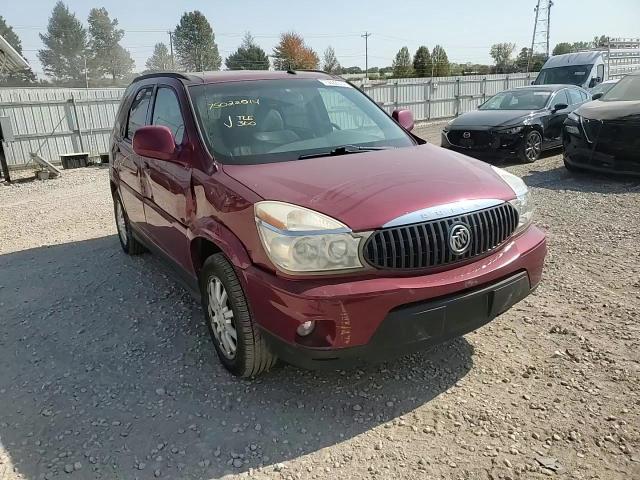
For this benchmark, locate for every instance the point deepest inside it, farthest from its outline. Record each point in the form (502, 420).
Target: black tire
(129, 244)
(252, 355)
(531, 147)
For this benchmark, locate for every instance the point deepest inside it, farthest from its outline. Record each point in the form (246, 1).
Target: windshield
(571, 75)
(518, 100)
(278, 120)
(602, 88)
(627, 89)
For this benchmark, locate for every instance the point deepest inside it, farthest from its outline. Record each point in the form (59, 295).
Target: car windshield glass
(571, 75)
(518, 100)
(627, 89)
(602, 88)
(279, 120)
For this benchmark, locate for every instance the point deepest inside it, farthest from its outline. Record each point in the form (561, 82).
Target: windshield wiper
(342, 150)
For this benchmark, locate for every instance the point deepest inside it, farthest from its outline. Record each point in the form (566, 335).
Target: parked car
(520, 123)
(314, 227)
(604, 135)
(602, 88)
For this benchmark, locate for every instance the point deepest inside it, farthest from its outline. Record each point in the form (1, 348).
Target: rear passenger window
(166, 111)
(138, 111)
(574, 96)
(561, 97)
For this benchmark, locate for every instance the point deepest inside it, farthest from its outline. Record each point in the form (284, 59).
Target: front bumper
(372, 318)
(623, 158)
(494, 145)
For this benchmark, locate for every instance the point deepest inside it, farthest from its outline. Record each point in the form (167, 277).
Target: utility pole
(173, 63)
(366, 54)
(541, 28)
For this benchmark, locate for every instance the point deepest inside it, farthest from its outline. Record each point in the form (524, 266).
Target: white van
(588, 69)
(585, 69)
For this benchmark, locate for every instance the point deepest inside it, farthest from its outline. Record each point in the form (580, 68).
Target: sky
(465, 28)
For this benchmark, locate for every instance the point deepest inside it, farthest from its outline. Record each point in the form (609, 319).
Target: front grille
(477, 138)
(426, 245)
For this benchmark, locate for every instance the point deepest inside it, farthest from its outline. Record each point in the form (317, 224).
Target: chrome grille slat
(426, 244)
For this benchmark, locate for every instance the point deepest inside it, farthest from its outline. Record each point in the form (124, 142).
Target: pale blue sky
(466, 28)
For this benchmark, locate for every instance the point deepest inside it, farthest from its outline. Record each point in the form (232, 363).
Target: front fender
(209, 229)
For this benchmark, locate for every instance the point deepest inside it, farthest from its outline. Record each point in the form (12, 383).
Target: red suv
(314, 227)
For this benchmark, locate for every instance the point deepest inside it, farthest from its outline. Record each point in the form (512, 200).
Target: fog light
(306, 328)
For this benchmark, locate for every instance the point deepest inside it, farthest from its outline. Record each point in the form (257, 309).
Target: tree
(292, 53)
(195, 43)
(107, 56)
(501, 53)
(402, 64)
(562, 48)
(422, 62)
(533, 63)
(20, 77)
(601, 41)
(160, 60)
(441, 67)
(353, 70)
(249, 56)
(330, 63)
(65, 46)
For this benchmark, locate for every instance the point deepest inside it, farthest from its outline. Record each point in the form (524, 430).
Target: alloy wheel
(221, 318)
(533, 147)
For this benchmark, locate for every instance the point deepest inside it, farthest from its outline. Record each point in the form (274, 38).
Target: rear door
(167, 184)
(127, 163)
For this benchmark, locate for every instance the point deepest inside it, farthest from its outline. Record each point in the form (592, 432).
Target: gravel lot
(106, 368)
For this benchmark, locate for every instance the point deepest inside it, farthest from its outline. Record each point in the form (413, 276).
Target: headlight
(574, 116)
(299, 240)
(512, 130)
(523, 201)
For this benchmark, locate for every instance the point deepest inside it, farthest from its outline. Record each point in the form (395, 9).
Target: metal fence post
(73, 121)
(506, 82)
(457, 96)
(394, 90)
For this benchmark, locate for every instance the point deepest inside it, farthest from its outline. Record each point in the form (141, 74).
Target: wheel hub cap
(221, 317)
(532, 149)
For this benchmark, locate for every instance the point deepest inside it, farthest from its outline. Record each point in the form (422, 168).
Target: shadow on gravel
(108, 372)
(560, 178)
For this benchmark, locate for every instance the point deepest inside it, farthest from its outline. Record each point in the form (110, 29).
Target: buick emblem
(459, 238)
(466, 135)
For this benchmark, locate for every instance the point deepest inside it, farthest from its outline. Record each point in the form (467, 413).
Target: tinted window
(166, 111)
(138, 111)
(627, 89)
(526, 99)
(574, 96)
(571, 74)
(561, 97)
(281, 120)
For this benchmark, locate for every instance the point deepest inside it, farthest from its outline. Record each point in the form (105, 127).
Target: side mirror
(596, 96)
(559, 106)
(404, 118)
(154, 141)
(594, 81)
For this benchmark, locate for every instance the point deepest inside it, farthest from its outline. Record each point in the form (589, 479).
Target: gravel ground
(107, 370)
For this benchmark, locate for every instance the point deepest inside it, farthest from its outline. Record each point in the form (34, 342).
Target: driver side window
(166, 111)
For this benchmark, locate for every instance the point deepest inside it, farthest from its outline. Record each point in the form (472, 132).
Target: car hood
(598, 110)
(491, 118)
(366, 190)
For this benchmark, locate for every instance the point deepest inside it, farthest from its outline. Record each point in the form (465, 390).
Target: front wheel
(236, 338)
(531, 147)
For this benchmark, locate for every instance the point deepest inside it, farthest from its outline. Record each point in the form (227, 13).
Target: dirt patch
(107, 370)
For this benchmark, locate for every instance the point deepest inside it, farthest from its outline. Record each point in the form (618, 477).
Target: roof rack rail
(178, 75)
